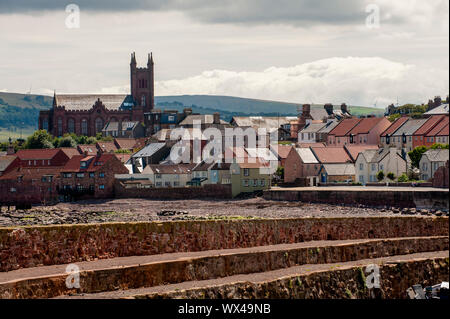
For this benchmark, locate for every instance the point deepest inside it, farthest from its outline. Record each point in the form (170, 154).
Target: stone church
(87, 114)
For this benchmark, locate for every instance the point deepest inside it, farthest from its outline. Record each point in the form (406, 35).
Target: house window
(67, 175)
(171, 118)
(245, 183)
(79, 188)
(424, 167)
(60, 128)
(143, 100)
(361, 166)
(83, 164)
(101, 175)
(67, 187)
(262, 182)
(98, 124)
(80, 175)
(101, 186)
(167, 184)
(246, 172)
(436, 166)
(158, 176)
(373, 167)
(91, 175)
(45, 124)
(13, 190)
(176, 184)
(381, 167)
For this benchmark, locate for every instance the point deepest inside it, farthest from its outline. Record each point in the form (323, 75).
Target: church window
(45, 124)
(60, 128)
(143, 100)
(71, 126)
(98, 125)
(84, 127)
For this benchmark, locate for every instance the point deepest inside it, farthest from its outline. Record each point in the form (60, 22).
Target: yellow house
(250, 176)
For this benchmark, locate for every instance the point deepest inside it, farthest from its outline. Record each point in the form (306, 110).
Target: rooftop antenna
(31, 86)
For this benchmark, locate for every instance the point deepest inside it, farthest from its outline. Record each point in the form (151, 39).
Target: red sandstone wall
(47, 245)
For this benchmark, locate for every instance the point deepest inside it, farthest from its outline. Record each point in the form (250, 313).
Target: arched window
(84, 127)
(60, 128)
(45, 124)
(143, 100)
(71, 126)
(98, 124)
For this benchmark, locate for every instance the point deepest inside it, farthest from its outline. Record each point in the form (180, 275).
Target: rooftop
(83, 102)
(345, 126)
(328, 155)
(442, 109)
(395, 126)
(307, 156)
(437, 155)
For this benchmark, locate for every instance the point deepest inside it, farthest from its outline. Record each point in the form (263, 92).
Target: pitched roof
(437, 155)
(331, 155)
(282, 151)
(107, 147)
(221, 166)
(252, 162)
(95, 163)
(329, 126)
(345, 126)
(313, 127)
(262, 121)
(38, 154)
(438, 128)
(410, 127)
(123, 157)
(90, 149)
(306, 145)
(307, 155)
(354, 150)
(202, 166)
(262, 153)
(5, 161)
(375, 156)
(365, 125)
(444, 131)
(125, 143)
(203, 118)
(85, 102)
(149, 150)
(29, 173)
(169, 169)
(339, 169)
(429, 124)
(395, 126)
(442, 109)
(115, 127)
(70, 151)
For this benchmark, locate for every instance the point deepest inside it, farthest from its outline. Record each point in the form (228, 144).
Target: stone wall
(417, 199)
(22, 247)
(333, 284)
(207, 191)
(441, 177)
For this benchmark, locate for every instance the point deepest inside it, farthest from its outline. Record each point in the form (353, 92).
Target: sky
(362, 52)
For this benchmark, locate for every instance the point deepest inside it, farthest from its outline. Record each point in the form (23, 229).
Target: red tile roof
(38, 154)
(253, 162)
(29, 173)
(283, 150)
(123, 157)
(70, 151)
(125, 143)
(444, 131)
(74, 164)
(395, 126)
(307, 145)
(327, 155)
(344, 127)
(90, 149)
(429, 125)
(438, 128)
(365, 125)
(107, 147)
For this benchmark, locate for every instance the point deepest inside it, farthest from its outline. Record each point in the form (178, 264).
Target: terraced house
(90, 176)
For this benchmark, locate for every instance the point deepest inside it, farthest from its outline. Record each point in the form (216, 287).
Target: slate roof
(442, 109)
(328, 127)
(331, 155)
(149, 150)
(169, 169)
(84, 102)
(339, 169)
(313, 127)
(395, 126)
(262, 121)
(410, 127)
(437, 155)
(263, 153)
(204, 118)
(307, 156)
(375, 156)
(114, 126)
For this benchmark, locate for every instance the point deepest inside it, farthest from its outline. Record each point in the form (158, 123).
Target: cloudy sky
(301, 51)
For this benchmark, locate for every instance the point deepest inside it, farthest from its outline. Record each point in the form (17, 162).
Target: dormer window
(84, 164)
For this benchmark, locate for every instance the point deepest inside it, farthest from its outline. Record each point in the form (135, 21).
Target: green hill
(20, 112)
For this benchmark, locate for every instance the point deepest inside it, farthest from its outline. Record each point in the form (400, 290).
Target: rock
(395, 211)
(438, 213)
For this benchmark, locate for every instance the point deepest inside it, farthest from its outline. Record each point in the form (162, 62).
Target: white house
(370, 162)
(169, 175)
(430, 162)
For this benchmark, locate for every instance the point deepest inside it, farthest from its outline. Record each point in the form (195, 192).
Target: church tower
(142, 83)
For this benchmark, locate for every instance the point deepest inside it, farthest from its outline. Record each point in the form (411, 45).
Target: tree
(39, 139)
(67, 141)
(438, 146)
(380, 176)
(403, 178)
(280, 172)
(416, 155)
(391, 176)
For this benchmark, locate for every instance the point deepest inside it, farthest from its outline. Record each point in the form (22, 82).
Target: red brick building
(88, 114)
(90, 176)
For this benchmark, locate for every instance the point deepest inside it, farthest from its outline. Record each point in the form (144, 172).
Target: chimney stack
(306, 111)
(216, 118)
(10, 150)
(344, 108)
(329, 108)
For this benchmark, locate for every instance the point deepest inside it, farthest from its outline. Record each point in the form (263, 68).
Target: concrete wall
(23, 247)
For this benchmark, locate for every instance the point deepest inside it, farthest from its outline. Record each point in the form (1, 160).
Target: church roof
(84, 102)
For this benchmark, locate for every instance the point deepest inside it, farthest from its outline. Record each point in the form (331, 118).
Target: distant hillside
(21, 111)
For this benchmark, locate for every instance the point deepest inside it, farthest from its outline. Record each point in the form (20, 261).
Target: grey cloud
(294, 12)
